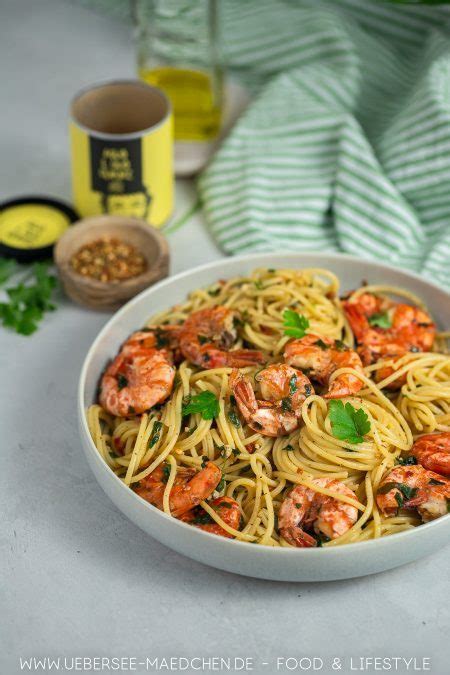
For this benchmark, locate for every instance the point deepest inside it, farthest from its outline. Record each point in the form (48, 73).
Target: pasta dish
(275, 410)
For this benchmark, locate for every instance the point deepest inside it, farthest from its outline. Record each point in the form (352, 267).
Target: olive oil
(195, 101)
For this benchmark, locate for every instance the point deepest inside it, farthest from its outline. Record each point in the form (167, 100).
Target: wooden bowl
(110, 295)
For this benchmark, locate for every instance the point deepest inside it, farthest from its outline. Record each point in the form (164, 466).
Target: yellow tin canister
(122, 151)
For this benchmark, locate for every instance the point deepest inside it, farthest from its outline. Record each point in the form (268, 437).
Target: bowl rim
(247, 547)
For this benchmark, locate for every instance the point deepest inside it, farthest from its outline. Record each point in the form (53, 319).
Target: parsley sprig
(381, 320)
(27, 302)
(348, 423)
(295, 325)
(7, 269)
(205, 403)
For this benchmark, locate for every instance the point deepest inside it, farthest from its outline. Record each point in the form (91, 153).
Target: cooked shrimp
(406, 328)
(305, 509)
(413, 487)
(433, 452)
(283, 390)
(165, 338)
(207, 337)
(140, 377)
(189, 489)
(225, 507)
(320, 357)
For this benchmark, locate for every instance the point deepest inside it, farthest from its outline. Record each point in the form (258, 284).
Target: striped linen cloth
(346, 145)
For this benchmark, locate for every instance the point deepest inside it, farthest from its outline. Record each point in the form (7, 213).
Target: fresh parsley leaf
(294, 324)
(204, 403)
(348, 423)
(381, 320)
(28, 302)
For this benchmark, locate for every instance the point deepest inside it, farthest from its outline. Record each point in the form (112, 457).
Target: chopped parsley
(387, 487)
(259, 285)
(407, 492)
(202, 339)
(293, 384)
(213, 292)
(202, 519)
(322, 345)
(406, 461)
(295, 325)
(321, 539)
(288, 447)
(404, 492)
(225, 505)
(286, 404)
(348, 423)
(166, 473)
(121, 381)
(234, 419)
(340, 346)
(205, 403)
(155, 435)
(399, 499)
(161, 339)
(380, 319)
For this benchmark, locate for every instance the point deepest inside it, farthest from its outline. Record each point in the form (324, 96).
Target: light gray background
(76, 577)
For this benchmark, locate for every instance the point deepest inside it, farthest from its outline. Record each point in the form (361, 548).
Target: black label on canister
(116, 172)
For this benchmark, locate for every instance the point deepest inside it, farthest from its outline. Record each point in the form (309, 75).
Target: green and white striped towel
(346, 145)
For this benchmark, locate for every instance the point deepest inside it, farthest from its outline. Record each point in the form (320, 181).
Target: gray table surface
(77, 578)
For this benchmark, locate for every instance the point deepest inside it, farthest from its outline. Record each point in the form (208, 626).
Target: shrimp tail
(297, 537)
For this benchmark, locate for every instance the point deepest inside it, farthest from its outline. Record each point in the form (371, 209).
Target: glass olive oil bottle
(178, 53)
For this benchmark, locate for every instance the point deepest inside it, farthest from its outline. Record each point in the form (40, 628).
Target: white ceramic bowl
(284, 564)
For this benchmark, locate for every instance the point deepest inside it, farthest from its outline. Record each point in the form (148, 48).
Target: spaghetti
(259, 471)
